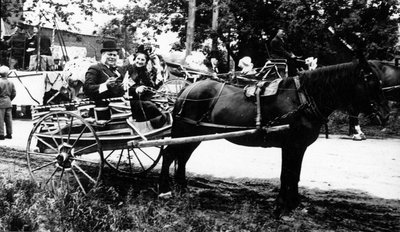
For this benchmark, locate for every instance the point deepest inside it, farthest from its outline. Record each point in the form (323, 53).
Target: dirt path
(371, 166)
(345, 185)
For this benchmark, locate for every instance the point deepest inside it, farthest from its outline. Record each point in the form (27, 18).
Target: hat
(109, 45)
(4, 70)
(245, 62)
(21, 25)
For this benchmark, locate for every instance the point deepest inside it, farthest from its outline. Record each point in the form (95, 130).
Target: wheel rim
(63, 151)
(172, 88)
(133, 161)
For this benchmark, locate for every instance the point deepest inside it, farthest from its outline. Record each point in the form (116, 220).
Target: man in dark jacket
(279, 51)
(18, 44)
(40, 58)
(104, 80)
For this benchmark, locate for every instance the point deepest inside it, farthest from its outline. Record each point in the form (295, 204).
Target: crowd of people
(25, 50)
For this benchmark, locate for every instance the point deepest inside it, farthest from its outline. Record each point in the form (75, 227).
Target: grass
(26, 207)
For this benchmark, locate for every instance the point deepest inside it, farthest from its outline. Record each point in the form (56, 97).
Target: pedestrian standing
(7, 94)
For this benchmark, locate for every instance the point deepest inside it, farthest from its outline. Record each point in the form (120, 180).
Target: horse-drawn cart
(69, 148)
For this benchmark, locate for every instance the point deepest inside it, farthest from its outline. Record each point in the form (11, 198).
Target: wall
(93, 44)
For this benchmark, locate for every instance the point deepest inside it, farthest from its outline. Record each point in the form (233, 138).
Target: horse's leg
(168, 156)
(180, 175)
(288, 198)
(355, 129)
(181, 153)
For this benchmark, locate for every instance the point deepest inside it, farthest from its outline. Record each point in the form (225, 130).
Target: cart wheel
(133, 161)
(171, 88)
(63, 151)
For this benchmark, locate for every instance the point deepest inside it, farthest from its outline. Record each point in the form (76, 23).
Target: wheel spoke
(51, 176)
(70, 128)
(109, 154)
(45, 165)
(85, 173)
(83, 160)
(62, 173)
(45, 143)
(146, 154)
(80, 135)
(49, 155)
(129, 159)
(59, 129)
(77, 180)
(84, 148)
(137, 157)
(119, 159)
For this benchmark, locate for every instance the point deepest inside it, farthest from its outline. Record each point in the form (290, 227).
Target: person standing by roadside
(7, 94)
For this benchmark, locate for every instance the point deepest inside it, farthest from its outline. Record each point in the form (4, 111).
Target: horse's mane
(331, 84)
(326, 76)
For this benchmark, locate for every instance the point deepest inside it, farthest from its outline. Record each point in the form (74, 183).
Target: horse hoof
(166, 195)
(357, 138)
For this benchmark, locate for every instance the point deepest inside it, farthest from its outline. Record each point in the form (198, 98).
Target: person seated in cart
(104, 79)
(279, 50)
(140, 83)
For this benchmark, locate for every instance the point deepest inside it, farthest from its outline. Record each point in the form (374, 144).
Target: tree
(252, 23)
(124, 28)
(51, 11)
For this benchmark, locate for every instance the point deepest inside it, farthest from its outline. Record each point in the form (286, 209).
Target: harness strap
(258, 117)
(214, 125)
(212, 105)
(190, 87)
(391, 88)
(302, 96)
(307, 100)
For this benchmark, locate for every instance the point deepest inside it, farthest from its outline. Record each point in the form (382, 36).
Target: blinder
(368, 76)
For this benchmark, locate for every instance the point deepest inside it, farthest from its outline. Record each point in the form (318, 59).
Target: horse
(304, 102)
(391, 88)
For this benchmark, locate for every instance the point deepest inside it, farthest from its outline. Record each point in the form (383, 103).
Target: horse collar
(308, 101)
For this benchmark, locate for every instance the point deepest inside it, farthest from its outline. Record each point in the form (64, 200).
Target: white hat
(4, 70)
(245, 62)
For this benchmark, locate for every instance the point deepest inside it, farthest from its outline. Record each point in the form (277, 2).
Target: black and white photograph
(200, 115)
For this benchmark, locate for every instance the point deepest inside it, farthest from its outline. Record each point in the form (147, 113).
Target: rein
(391, 88)
(308, 101)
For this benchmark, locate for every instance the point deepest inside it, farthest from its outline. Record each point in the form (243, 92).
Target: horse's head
(369, 97)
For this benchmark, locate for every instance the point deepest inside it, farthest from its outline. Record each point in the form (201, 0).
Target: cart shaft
(200, 138)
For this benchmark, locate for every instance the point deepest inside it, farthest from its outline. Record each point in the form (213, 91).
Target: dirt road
(370, 166)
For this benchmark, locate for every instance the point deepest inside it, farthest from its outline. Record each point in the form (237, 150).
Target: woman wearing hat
(140, 83)
(246, 65)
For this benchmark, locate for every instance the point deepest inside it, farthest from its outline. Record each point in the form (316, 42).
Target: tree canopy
(251, 24)
(246, 27)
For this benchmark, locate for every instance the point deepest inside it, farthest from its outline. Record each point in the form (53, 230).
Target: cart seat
(139, 127)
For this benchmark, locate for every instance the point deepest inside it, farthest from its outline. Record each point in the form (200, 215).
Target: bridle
(367, 74)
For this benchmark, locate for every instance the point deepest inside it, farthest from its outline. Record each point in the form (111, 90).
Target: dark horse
(390, 78)
(304, 102)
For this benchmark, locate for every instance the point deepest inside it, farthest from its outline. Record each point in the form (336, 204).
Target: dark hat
(21, 25)
(109, 45)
